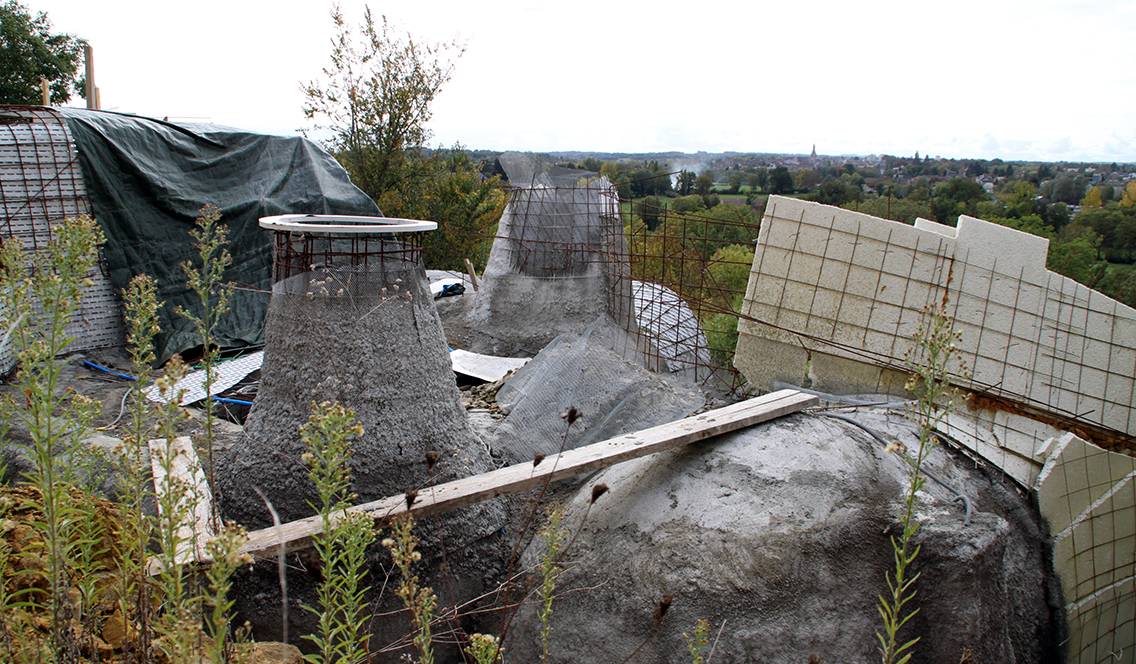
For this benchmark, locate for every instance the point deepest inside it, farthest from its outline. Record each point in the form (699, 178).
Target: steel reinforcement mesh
(689, 271)
(674, 280)
(40, 186)
(297, 252)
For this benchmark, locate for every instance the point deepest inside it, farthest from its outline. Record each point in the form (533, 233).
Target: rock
(271, 653)
(780, 532)
(116, 631)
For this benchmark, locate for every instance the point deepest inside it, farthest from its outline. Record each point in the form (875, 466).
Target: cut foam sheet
(227, 374)
(484, 367)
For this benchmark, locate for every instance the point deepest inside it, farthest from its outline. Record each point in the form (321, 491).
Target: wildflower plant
(932, 359)
(553, 535)
(484, 649)
(419, 600)
(207, 283)
(140, 301)
(697, 642)
(37, 305)
(341, 545)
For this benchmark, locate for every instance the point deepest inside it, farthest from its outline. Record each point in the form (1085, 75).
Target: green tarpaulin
(147, 180)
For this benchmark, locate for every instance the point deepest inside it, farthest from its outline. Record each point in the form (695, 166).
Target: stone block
(1010, 247)
(833, 275)
(771, 261)
(883, 317)
(814, 238)
(880, 343)
(825, 304)
(849, 335)
(925, 267)
(1097, 353)
(764, 361)
(903, 237)
(935, 227)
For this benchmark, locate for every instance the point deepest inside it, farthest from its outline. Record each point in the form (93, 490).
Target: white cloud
(1011, 79)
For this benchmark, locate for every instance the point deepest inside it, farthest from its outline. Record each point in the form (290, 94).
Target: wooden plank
(472, 274)
(523, 476)
(184, 466)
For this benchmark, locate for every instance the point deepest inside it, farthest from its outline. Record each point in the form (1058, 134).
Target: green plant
(343, 540)
(484, 649)
(140, 301)
(931, 360)
(553, 536)
(177, 541)
(207, 282)
(697, 642)
(418, 600)
(38, 303)
(225, 553)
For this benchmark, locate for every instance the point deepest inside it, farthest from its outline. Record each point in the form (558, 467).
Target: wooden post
(98, 98)
(472, 273)
(45, 92)
(89, 93)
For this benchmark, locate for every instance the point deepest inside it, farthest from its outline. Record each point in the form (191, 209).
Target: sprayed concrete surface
(586, 371)
(780, 532)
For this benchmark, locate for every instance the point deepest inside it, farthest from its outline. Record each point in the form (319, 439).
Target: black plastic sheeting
(148, 179)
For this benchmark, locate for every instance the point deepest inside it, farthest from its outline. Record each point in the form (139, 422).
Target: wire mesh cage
(303, 243)
(673, 280)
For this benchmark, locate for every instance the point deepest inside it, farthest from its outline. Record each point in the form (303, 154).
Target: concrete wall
(834, 297)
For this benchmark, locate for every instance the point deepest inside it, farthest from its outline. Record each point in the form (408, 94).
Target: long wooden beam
(523, 476)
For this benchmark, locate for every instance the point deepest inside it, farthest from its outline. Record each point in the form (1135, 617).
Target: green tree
(954, 197)
(704, 183)
(890, 207)
(838, 192)
(692, 203)
(1076, 254)
(1093, 199)
(780, 181)
(29, 52)
(758, 180)
(447, 187)
(374, 98)
(685, 183)
(651, 210)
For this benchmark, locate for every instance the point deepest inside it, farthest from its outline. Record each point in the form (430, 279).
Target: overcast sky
(1016, 79)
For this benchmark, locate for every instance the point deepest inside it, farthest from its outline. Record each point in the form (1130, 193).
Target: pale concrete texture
(833, 300)
(841, 284)
(1088, 497)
